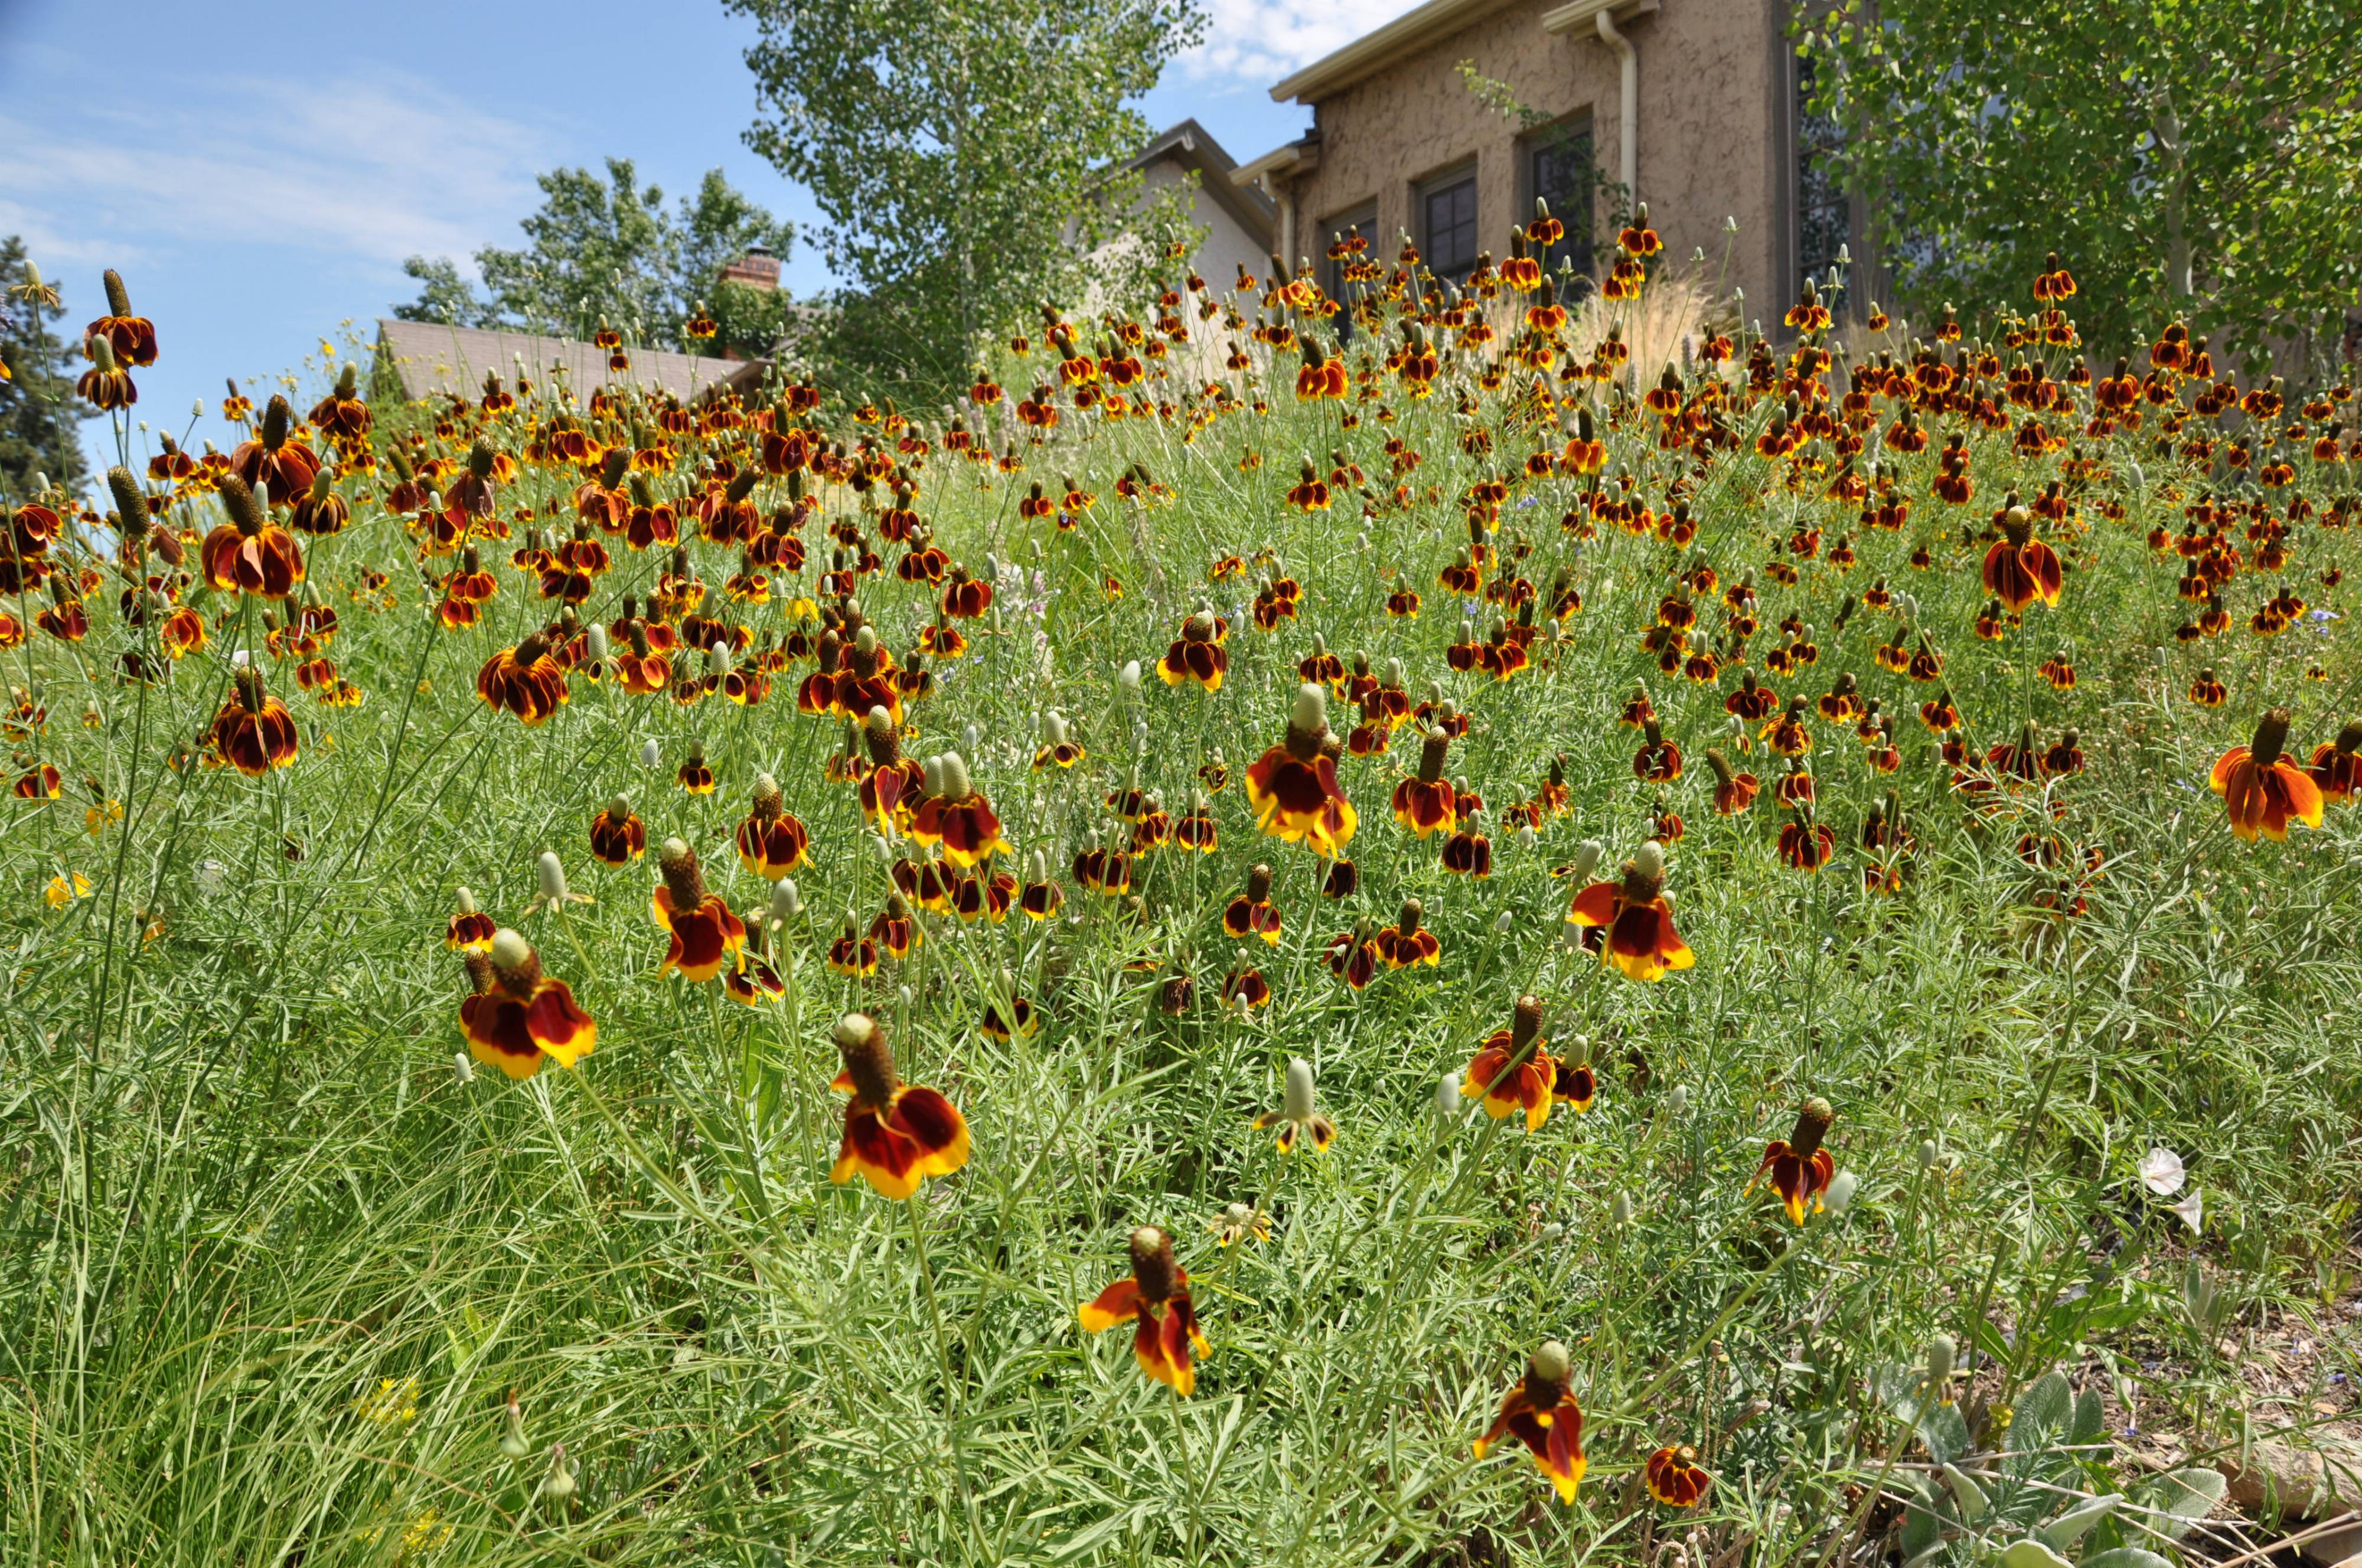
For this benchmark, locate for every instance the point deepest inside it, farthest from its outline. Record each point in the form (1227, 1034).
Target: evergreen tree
(38, 412)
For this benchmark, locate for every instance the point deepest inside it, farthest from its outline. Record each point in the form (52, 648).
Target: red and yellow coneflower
(472, 930)
(2336, 769)
(1157, 1297)
(771, 841)
(1541, 1410)
(1293, 786)
(618, 837)
(249, 554)
(2263, 790)
(1428, 802)
(955, 817)
(1197, 655)
(1512, 1071)
(1674, 1478)
(706, 934)
(895, 1134)
(525, 681)
(1797, 1167)
(253, 732)
(518, 1015)
(1252, 912)
(2021, 568)
(1636, 918)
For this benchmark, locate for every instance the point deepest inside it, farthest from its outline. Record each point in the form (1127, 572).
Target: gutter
(1601, 15)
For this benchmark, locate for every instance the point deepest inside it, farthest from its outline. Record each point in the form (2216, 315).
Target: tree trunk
(2176, 215)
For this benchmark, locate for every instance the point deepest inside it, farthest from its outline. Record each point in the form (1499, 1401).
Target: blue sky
(258, 175)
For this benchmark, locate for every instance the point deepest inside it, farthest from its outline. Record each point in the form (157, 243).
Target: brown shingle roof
(429, 359)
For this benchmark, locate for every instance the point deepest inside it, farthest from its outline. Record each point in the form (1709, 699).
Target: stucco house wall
(1227, 245)
(1711, 145)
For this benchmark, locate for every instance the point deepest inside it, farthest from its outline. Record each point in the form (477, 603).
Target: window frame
(1579, 126)
(1444, 182)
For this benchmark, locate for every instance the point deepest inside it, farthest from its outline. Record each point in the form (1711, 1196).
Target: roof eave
(1373, 51)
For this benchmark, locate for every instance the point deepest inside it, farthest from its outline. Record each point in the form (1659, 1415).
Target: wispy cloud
(372, 169)
(1256, 42)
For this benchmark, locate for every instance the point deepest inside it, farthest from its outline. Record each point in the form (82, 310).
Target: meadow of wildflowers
(1436, 945)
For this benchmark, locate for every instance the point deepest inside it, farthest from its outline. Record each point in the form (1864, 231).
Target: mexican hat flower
(2336, 767)
(253, 732)
(472, 930)
(526, 681)
(249, 554)
(1797, 1167)
(707, 936)
(1251, 913)
(2021, 568)
(1296, 1116)
(1636, 917)
(1674, 1478)
(1511, 1070)
(1157, 1297)
(1429, 802)
(2261, 787)
(1293, 786)
(1197, 655)
(771, 841)
(519, 1015)
(955, 816)
(618, 837)
(1541, 1411)
(895, 1134)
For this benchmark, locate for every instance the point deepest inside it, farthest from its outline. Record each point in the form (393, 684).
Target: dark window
(1823, 218)
(1559, 169)
(1363, 224)
(1447, 214)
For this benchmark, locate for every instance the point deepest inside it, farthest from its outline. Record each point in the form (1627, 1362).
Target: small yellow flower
(429, 1532)
(394, 1404)
(98, 818)
(65, 888)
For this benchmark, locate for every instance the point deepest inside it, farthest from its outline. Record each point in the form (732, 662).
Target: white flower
(2193, 1210)
(2160, 1172)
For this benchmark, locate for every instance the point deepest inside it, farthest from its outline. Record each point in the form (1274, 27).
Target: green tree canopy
(961, 153)
(38, 412)
(607, 252)
(2183, 157)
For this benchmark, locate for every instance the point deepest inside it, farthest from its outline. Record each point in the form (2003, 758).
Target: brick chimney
(758, 269)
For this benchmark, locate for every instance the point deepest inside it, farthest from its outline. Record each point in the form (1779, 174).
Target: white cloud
(376, 170)
(1258, 42)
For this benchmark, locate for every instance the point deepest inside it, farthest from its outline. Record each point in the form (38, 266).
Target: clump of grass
(293, 1274)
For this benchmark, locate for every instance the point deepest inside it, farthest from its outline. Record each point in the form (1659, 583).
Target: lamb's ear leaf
(2031, 1553)
(2126, 1557)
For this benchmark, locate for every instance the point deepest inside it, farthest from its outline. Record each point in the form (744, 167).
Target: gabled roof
(1190, 145)
(429, 358)
(1373, 51)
